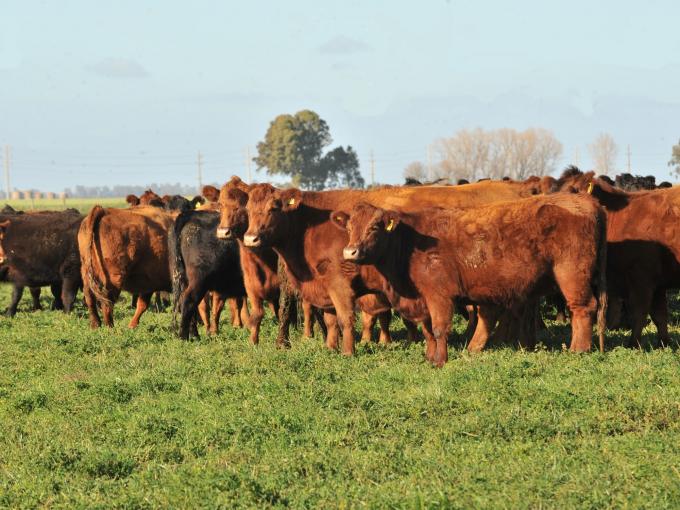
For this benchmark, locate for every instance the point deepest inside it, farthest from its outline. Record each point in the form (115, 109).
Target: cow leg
(35, 296)
(411, 331)
(472, 321)
(384, 319)
(142, 304)
(58, 302)
(216, 311)
(133, 301)
(17, 292)
(441, 312)
(308, 327)
(317, 315)
(91, 303)
(286, 314)
(107, 312)
(430, 341)
(527, 325)
(274, 307)
(659, 313)
(331, 321)
(204, 311)
(69, 290)
(487, 317)
(234, 308)
(189, 301)
(640, 303)
(243, 312)
(367, 323)
(256, 314)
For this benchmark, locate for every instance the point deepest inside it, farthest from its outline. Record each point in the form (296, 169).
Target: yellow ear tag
(390, 226)
(590, 188)
(338, 218)
(291, 201)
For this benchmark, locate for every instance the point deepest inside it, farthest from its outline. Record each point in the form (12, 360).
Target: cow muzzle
(351, 253)
(224, 233)
(252, 241)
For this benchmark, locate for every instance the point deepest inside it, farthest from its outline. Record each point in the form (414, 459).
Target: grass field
(139, 419)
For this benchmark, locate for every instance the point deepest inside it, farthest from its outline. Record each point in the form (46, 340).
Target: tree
(475, 154)
(416, 170)
(675, 158)
(294, 144)
(603, 151)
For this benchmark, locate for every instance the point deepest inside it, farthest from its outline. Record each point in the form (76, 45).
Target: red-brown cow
(643, 234)
(501, 254)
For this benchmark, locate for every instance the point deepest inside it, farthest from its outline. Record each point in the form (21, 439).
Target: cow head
(233, 213)
(180, 203)
(3, 230)
(369, 229)
(269, 211)
(211, 193)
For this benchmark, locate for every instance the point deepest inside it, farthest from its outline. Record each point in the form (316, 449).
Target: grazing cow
(123, 249)
(643, 235)
(501, 254)
(40, 249)
(200, 262)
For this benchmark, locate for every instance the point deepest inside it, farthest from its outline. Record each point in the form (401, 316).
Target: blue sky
(129, 91)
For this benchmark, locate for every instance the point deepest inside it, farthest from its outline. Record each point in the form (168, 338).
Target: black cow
(200, 262)
(41, 249)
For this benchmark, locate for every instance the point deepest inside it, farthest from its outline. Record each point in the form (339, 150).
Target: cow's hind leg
(308, 326)
(384, 319)
(659, 313)
(331, 321)
(367, 323)
(91, 303)
(58, 302)
(142, 304)
(35, 296)
(234, 308)
(216, 312)
(189, 301)
(582, 306)
(255, 320)
(640, 304)
(204, 311)
(487, 316)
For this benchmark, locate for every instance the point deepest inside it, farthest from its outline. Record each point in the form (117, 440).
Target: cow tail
(288, 308)
(178, 274)
(602, 278)
(91, 255)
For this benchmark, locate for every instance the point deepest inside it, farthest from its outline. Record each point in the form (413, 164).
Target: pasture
(140, 419)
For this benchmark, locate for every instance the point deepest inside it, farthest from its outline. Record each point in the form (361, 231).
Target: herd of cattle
(489, 250)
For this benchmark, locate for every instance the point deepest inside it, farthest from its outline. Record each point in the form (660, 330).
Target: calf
(41, 249)
(500, 254)
(123, 249)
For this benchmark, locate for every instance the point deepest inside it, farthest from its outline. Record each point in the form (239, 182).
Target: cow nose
(252, 241)
(350, 253)
(223, 233)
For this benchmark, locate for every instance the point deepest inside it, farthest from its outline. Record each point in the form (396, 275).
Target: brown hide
(643, 232)
(501, 254)
(123, 249)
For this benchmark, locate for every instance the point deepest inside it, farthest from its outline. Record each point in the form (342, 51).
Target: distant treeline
(121, 190)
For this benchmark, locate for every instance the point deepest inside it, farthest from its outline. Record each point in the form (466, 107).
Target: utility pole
(628, 156)
(372, 169)
(6, 165)
(577, 157)
(199, 160)
(248, 161)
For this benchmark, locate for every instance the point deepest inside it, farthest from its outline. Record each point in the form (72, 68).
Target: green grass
(139, 419)
(56, 204)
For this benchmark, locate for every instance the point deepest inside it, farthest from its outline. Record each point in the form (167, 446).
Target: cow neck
(291, 246)
(394, 266)
(612, 199)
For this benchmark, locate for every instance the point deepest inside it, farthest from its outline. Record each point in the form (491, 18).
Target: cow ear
(132, 199)
(198, 199)
(211, 193)
(391, 219)
(3, 227)
(291, 199)
(340, 219)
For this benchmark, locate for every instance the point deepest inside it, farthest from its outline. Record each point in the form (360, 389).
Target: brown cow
(297, 225)
(643, 234)
(123, 249)
(500, 254)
